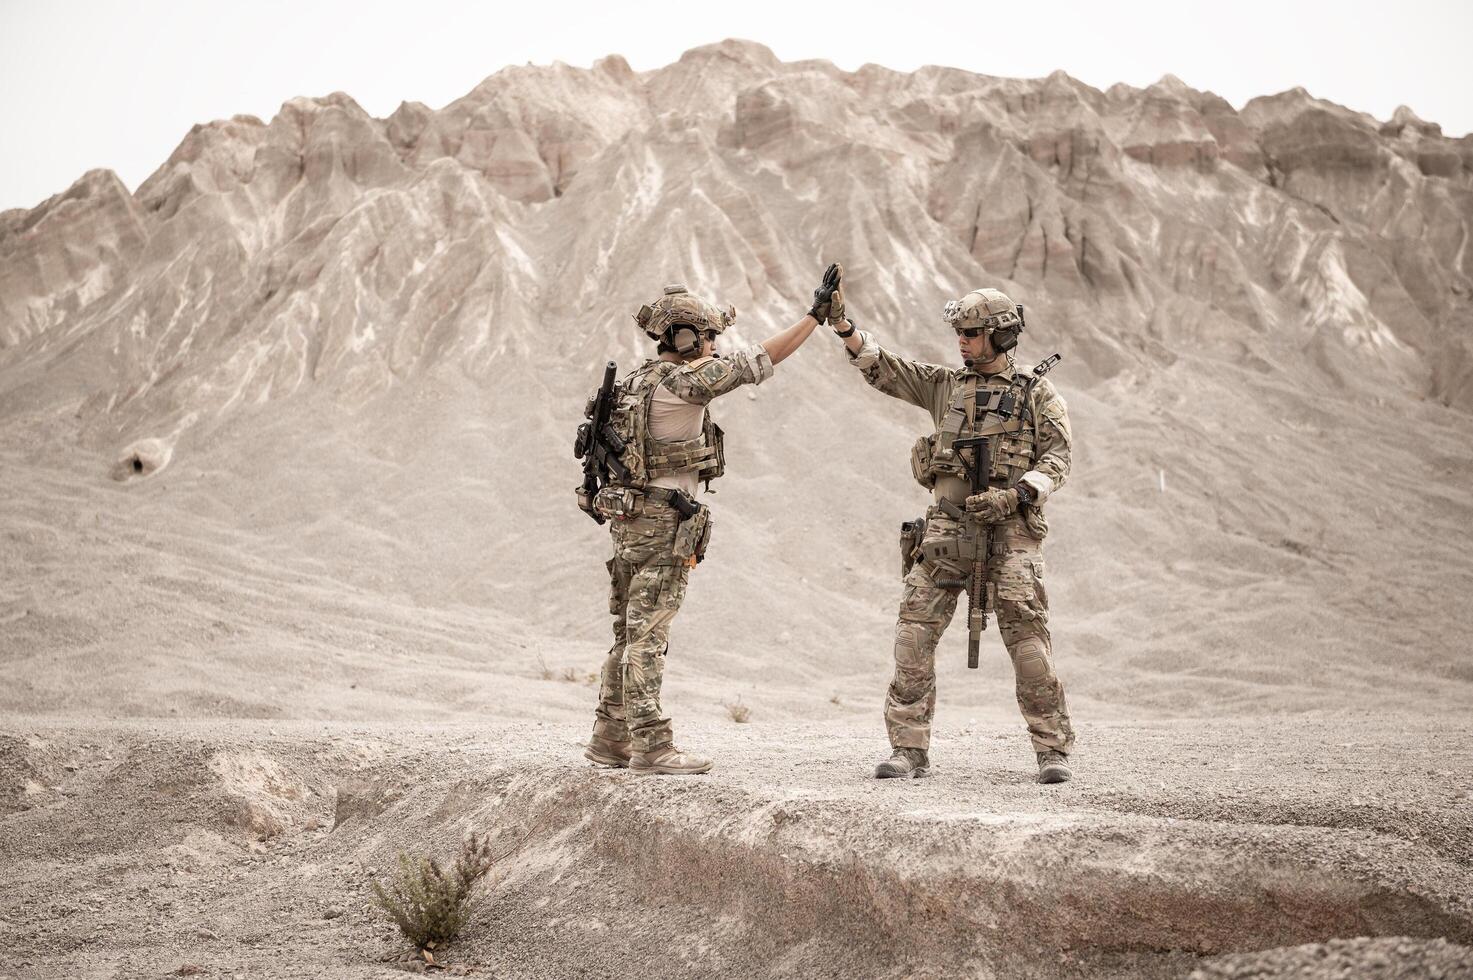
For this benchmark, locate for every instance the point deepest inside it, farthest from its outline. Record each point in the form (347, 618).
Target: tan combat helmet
(682, 319)
(991, 310)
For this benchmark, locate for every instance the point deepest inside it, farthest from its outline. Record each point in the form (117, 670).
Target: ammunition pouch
(926, 463)
(586, 503)
(617, 503)
(946, 549)
(912, 533)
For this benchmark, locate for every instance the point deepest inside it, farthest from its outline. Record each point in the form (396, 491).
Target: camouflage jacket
(1038, 455)
(679, 463)
(700, 381)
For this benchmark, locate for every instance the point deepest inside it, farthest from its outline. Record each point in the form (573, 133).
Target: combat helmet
(991, 310)
(681, 319)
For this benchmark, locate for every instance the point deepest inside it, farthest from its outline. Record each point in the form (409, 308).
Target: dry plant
(836, 702)
(738, 712)
(428, 904)
(569, 674)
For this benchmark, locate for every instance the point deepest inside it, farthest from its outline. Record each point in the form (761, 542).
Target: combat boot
(667, 760)
(905, 762)
(1053, 767)
(607, 752)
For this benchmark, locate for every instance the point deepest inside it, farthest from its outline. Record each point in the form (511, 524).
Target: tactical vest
(648, 457)
(978, 408)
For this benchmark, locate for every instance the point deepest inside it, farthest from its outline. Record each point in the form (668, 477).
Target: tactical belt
(683, 503)
(1009, 534)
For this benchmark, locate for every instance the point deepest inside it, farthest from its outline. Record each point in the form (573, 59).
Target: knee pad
(911, 641)
(1031, 658)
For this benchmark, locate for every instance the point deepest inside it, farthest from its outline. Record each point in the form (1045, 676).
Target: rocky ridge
(329, 245)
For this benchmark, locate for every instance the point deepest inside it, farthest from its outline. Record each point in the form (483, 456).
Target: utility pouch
(920, 462)
(716, 440)
(691, 535)
(912, 533)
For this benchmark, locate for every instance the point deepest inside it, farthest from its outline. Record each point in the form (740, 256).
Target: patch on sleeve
(1055, 414)
(1051, 409)
(714, 372)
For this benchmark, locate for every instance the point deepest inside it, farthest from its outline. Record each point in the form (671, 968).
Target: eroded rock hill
(367, 340)
(329, 245)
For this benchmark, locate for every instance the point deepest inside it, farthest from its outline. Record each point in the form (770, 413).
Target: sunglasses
(970, 332)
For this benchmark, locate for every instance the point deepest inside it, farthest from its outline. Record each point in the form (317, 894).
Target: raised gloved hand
(993, 505)
(823, 295)
(836, 307)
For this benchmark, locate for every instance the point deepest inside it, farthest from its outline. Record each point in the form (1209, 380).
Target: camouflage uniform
(654, 550)
(1034, 449)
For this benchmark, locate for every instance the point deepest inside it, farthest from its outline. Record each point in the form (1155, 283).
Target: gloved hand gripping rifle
(599, 446)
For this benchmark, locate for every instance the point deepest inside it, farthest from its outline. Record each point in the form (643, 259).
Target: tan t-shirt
(672, 420)
(678, 406)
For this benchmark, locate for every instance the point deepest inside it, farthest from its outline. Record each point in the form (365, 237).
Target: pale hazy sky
(118, 84)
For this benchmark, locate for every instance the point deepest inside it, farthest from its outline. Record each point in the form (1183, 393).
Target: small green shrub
(429, 905)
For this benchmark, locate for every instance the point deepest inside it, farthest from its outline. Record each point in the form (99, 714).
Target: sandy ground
(219, 720)
(1235, 848)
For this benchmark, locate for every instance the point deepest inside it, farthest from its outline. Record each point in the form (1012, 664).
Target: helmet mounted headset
(989, 312)
(682, 322)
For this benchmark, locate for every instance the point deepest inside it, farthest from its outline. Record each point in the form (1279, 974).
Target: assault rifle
(599, 446)
(979, 468)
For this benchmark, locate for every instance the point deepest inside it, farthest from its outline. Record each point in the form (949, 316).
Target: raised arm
(924, 385)
(780, 345)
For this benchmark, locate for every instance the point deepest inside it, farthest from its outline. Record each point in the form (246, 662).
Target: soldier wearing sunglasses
(1027, 435)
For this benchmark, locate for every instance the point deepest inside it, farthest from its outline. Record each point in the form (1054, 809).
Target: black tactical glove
(823, 295)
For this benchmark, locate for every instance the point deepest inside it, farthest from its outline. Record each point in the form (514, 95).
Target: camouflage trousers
(646, 587)
(1015, 578)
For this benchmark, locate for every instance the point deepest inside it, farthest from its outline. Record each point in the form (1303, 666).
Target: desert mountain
(360, 346)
